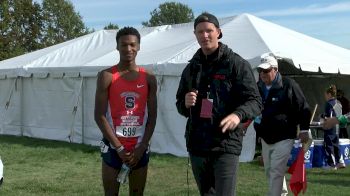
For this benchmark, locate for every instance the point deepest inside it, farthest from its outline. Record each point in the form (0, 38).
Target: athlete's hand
(137, 154)
(191, 98)
(230, 122)
(124, 156)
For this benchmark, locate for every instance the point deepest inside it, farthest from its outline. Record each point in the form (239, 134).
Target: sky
(327, 20)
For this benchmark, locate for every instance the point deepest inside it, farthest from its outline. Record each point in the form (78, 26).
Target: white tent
(50, 93)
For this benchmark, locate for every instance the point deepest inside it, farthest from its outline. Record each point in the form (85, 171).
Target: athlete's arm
(104, 79)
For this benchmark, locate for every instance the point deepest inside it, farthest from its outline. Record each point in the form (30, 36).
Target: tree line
(26, 25)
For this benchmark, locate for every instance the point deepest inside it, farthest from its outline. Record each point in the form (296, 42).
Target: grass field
(41, 167)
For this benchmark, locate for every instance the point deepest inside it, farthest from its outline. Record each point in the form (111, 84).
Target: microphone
(197, 79)
(195, 82)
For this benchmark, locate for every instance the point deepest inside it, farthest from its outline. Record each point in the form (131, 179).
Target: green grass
(42, 167)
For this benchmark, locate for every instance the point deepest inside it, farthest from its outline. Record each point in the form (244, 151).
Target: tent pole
(13, 86)
(74, 112)
(22, 105)
(82, 112)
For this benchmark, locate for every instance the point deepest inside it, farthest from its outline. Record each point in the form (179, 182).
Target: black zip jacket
(284, 108)
(228, 80)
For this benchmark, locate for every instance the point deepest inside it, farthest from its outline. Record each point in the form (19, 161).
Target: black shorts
(111, 158)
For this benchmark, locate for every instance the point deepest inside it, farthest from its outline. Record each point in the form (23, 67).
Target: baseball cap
(268, 61)
(207, 17)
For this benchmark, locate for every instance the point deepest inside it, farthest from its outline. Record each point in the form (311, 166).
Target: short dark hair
(128, 31)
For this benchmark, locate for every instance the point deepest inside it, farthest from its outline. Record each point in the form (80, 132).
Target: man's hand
(330, 122)
(304, 137)
(191, 98)
(230, 122)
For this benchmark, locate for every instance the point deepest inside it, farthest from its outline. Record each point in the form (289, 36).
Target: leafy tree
(20, 32)
(61, 22)
(111, 26)
(170, 13)
(26, 26)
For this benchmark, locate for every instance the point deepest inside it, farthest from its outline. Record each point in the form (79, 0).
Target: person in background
(1, 172)
(218, 94)
(343, 133)
(126, 112)
(331, 139)
(285, 107)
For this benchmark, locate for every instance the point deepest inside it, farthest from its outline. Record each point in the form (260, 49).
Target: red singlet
(128, 107)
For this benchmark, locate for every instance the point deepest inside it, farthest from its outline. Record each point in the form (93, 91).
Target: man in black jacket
(285, 108)
(217, 93)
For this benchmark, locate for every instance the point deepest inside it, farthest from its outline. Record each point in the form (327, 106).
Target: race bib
(128, 131)
(129, 125)
(128, 136)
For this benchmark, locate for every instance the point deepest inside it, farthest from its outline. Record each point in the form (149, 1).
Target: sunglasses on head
(264, 70)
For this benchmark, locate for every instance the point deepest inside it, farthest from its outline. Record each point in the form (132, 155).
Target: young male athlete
(125, 112)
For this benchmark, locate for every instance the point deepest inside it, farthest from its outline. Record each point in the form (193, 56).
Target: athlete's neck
(127, 66)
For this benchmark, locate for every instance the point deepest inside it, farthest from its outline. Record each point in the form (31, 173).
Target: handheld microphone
(197, 79)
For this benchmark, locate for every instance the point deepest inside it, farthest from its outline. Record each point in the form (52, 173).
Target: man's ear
(219, 31)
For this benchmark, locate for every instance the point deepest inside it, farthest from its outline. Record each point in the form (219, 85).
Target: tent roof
(247, 35)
